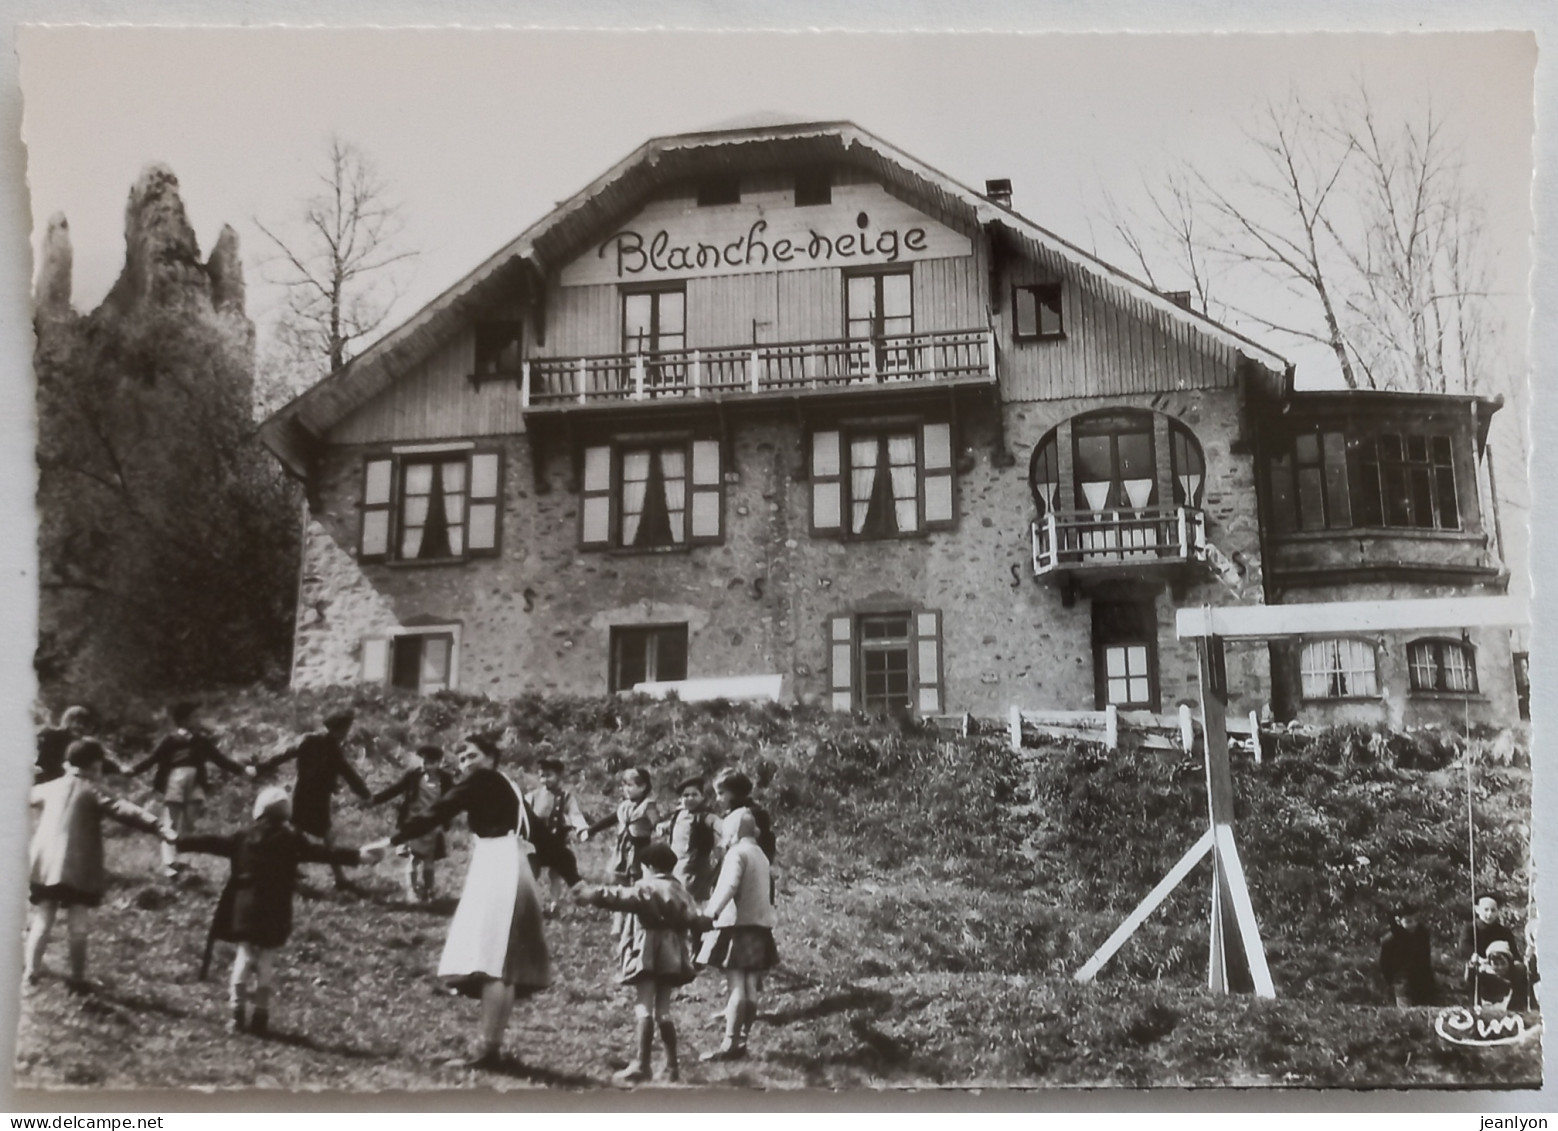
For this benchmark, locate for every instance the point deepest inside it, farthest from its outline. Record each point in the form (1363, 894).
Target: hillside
(935, 896)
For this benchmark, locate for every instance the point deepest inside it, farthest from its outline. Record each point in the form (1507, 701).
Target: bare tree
(1363, 235)
(340, 259)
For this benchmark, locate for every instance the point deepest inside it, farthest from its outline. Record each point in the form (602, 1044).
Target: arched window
(1340, 668)
(1114, 465)
(1442, 665)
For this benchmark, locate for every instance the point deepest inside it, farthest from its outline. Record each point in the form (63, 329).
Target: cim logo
(1460, 1026)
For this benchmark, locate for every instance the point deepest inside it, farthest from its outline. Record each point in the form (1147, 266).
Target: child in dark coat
(419, 790)
(654, 917)
(1405, 962)
(322, 765)
(255, 908)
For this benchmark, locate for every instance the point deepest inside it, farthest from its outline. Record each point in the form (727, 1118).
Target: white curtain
(862, 478)
(453, 478)
(1097, 495)
(416, 490)
(673, 470)
(635, 481)
(1190, 484)
(1138, 491)
(901, 462)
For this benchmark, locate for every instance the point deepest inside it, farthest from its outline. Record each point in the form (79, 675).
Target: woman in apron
(496, 950)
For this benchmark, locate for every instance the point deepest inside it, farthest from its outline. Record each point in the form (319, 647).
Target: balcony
(937, 359)
(1118, 544)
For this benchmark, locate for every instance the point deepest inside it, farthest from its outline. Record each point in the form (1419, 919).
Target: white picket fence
(1154, 731)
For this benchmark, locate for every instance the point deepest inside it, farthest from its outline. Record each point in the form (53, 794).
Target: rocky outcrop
(167, 541)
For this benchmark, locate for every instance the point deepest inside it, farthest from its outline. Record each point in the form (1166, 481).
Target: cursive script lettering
(636, 253)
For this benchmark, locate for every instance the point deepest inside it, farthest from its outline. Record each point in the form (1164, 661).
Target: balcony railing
(794, 367)
(1109, 540)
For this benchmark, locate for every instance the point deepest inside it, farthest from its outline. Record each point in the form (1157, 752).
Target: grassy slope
(934, 898)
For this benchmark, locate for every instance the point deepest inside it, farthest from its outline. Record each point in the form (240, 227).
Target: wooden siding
(436, 401)
(1114, 343)
(950, 294)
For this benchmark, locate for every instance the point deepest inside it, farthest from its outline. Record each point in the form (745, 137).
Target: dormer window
(720, 189)
(813, 186)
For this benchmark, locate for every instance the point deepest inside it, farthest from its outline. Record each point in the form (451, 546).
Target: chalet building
(787, 401)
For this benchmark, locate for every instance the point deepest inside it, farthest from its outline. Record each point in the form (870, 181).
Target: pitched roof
(572, 226)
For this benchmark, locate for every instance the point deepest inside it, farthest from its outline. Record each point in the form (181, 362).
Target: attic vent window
(722, 189)
(813, 186)
(497, 351)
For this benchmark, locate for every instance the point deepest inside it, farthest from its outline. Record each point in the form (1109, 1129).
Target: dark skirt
(311, 814)
(63, 895)
(740, 948)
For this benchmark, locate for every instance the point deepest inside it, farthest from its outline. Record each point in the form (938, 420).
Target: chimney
(999, 192)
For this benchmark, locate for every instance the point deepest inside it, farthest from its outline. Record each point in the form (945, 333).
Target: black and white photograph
(658, 561)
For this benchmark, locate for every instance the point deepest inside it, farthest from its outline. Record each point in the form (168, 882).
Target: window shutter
(485, 507)
(841, 651)
(595, 504)
(827, 502)
(937, 450)
(375, 659)
(927, 639)
(707, 491)
(378, 476)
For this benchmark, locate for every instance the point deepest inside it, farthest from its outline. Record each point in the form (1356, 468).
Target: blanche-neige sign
(677, 240)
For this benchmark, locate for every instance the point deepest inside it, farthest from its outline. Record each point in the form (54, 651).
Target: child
(742, 941)
(419, 790)
(66, 855)
(181, 776)
(693, 834)
(1502, 981)
(255, 908)
(635, 819)
(322, 765)
(653, 952)
(558, 809)
(735, 793)
(1405, 963)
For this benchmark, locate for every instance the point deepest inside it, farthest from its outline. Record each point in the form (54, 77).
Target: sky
(479, 133)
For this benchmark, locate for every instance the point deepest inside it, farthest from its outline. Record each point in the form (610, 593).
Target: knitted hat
(270, 796)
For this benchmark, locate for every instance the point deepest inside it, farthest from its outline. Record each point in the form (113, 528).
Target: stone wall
(538, 617)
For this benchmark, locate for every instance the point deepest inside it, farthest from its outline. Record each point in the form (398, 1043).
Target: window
(882, 482)
(1338, 669)
(1036, 312)
(430, 505)
(647, 654)
(721, 189)
(497, 350)
(813, 186)
(654, 321)
(1442, 665)
(1114, 462)
(421, 659)
(652, 495)
(1407, 480)
(1125, 654)
(1326, 479)
(886, 662)
(879, 306)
